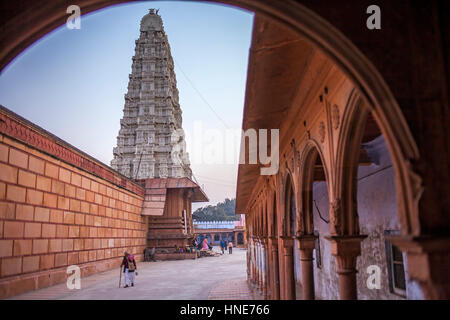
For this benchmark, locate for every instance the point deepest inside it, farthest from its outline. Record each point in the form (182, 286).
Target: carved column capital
(273, 242)
(306, 245)
(288, 242)
(346, 245)
(306, 242)
(346, 249)
(264, 241)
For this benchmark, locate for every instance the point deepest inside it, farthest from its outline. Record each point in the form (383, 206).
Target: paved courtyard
(222, 277)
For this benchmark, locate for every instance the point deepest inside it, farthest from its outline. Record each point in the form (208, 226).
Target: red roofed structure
(167, 209)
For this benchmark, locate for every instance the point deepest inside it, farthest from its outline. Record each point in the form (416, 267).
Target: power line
(200, 95)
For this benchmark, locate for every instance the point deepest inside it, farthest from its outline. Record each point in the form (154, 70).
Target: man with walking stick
(120, 275)
(123, 264)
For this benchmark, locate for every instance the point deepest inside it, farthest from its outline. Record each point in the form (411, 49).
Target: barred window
(395, 266)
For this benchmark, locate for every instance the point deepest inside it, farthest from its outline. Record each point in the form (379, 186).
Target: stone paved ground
(231, 290)
(222, 277)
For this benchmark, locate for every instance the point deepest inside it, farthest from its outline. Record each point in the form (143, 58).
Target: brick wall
(54, 214)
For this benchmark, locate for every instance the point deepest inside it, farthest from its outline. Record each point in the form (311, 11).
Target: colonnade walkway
(223, 277)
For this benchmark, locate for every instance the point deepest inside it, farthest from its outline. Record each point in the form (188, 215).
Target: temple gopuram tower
(151, 146)
(151, 141)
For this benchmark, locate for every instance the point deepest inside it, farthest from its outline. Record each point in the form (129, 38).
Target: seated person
(205, 245)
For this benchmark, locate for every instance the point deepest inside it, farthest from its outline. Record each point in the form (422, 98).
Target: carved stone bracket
(335, 117)
(336, 217)
(423, 248)
(346, 249)
(273, 242)
(288, 242)
(306, 245)
(428, 260)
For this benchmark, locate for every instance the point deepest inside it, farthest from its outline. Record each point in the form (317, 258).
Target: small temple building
(216, 231)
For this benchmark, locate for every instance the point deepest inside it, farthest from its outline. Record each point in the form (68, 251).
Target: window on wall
(317, 250)
(395, 266)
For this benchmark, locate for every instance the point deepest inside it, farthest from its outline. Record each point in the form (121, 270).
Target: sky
(72, 82)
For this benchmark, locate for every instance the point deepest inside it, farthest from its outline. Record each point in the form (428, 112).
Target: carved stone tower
(151, 141)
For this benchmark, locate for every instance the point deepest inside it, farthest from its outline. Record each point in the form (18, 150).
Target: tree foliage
(223, 211)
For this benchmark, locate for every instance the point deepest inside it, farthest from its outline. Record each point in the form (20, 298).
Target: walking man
(230, 247)
(130, 267)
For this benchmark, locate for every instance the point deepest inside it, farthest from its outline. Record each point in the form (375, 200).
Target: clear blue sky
(72, 82)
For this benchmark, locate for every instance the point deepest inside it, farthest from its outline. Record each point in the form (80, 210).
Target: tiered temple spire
(151, 141)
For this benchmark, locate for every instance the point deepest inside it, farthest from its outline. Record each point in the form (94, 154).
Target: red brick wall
(54, 214)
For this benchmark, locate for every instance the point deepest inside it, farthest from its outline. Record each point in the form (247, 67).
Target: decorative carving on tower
(151, 141)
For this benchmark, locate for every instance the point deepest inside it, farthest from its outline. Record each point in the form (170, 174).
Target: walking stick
(120, 276)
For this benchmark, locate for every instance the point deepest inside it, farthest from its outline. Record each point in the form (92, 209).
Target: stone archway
(360, 64)
(19, 33)
(313, 170)
(289, 214)
(273, 245)
(363, 165)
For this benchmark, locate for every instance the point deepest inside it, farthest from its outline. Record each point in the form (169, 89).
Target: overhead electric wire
(200, 95)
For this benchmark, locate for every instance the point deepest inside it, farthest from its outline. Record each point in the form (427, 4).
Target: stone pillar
(306, 246)
(261, 267)
(264, 282)
(249, 270)
(255, 262)
(252, 258)
(346, 249)
(289, 279)
(258, 270)
(428, 259)
(252, 262)
(267, 267)
(275, 283)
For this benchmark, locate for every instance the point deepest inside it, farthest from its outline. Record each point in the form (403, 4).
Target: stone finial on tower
(152, 21)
